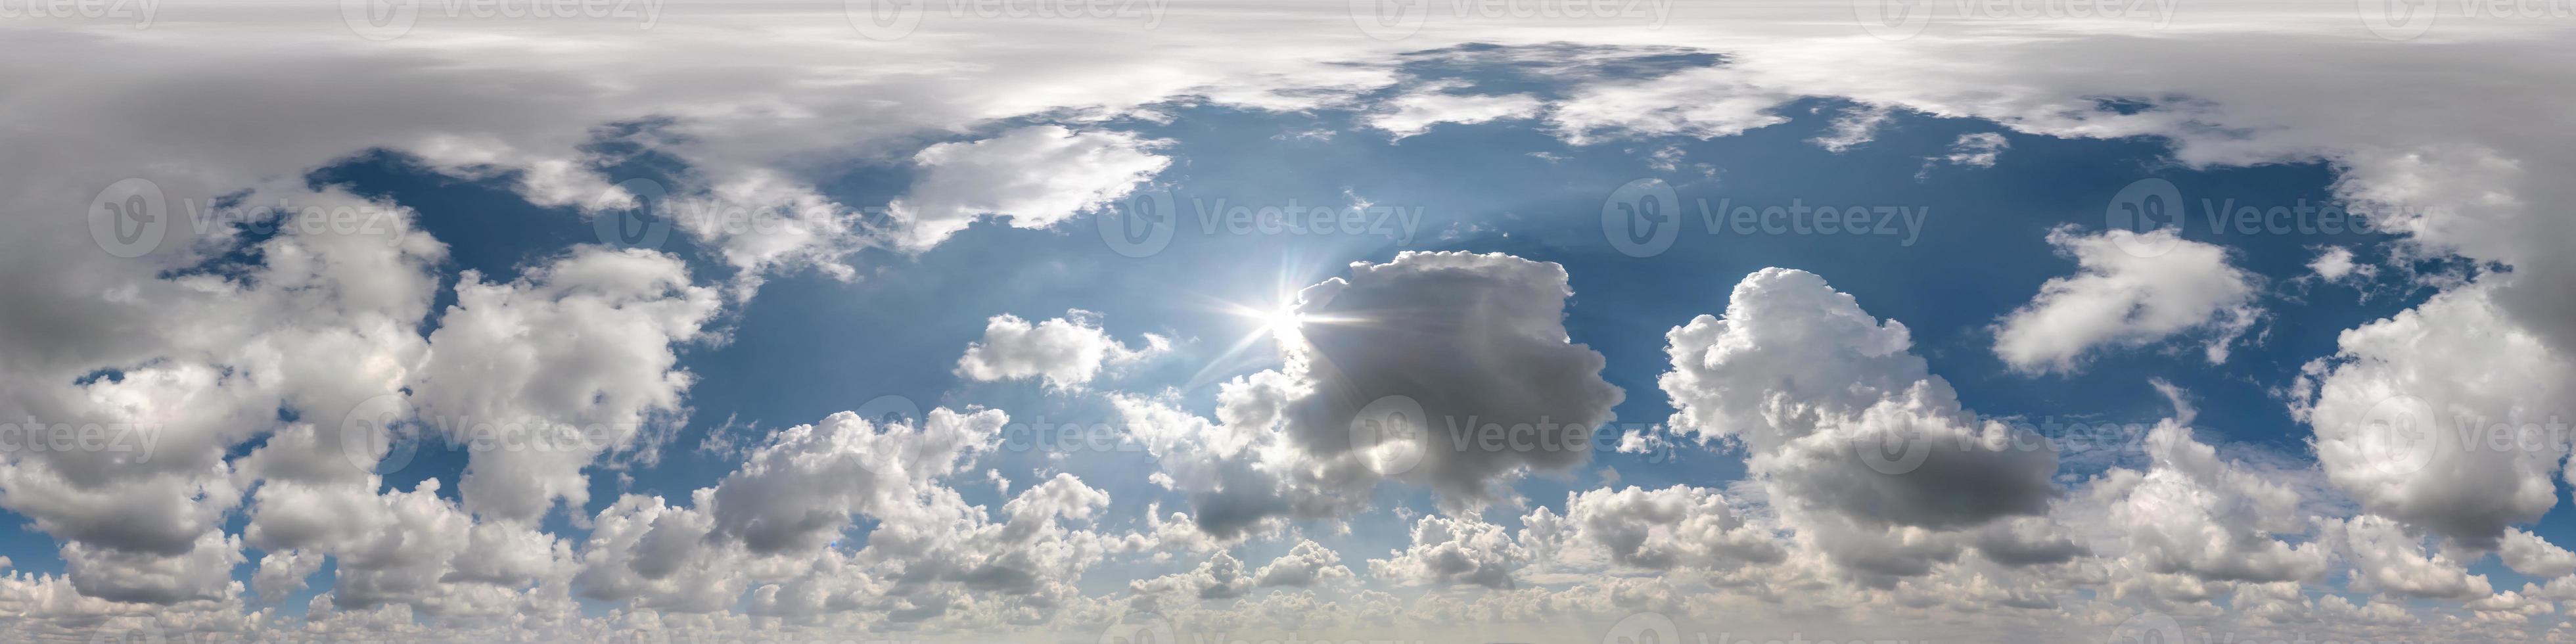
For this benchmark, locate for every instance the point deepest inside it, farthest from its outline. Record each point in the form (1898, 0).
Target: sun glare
(1282, 321)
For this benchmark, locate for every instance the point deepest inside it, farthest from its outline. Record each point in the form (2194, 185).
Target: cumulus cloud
(1459, 551)
(2411, 410)
(799, 490)
(2191, 513)
(1034, 176)
(1306, 564)
(1398, 372)
(1867, 451)
(2130, 289)
(2387, 558)
(1662, 529)
(1220, 577)
(2529, 554)
(1067, 351)
(503, 367)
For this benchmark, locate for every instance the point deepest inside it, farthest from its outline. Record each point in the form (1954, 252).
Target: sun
(1282, 322)
(1278, 322)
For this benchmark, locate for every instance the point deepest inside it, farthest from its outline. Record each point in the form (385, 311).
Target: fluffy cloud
(1678, 526)
(800, 489)
(2529, 554)
(1067, 351)
(2131, 289)
(504, 369)
(767, 532)
(2439, 417)
(1477, 341)
(1866, 450)
(1220, 577)
(2386, 558)
(1447, 551)
(1306, 564)
(2335, 263)
(1448, 369)
(1035, 176)
(2191, 513)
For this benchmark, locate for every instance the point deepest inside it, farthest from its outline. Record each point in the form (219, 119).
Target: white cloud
(2191, 513)
(1663, 529)
(506, 368)
(2437, 417)
(202, 573)
(2122, 297)
(1703, 103)
(799, 490)
(1976, 150)
(2335, 263)
(1447, 551)
(2386, 558)
(1067, 351)
(2529, 554)
(1363, 401)
(1853, 127)
(1306, 564)
(1035, 176)
(1866, 452)
(1432, 104)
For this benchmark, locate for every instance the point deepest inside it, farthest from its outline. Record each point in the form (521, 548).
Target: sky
(1166, 321)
